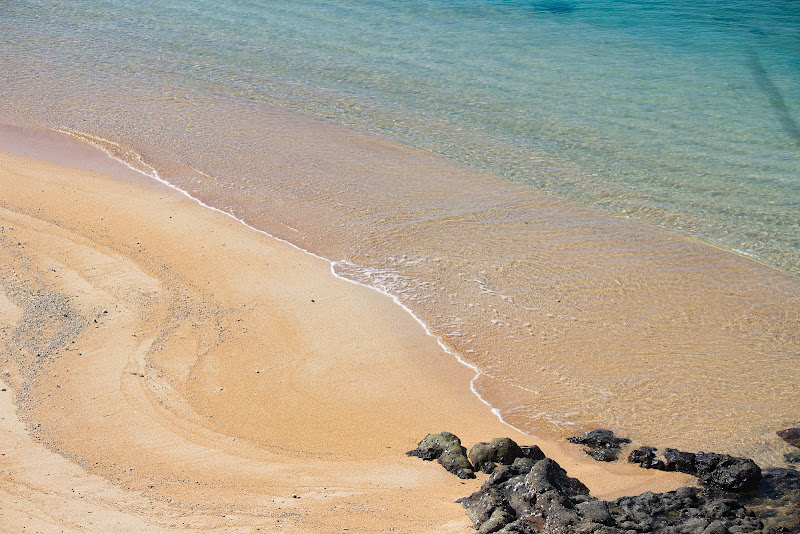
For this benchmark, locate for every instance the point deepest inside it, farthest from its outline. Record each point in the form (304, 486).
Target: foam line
(102, 143)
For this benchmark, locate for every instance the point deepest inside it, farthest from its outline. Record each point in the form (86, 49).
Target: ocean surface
(596, 203)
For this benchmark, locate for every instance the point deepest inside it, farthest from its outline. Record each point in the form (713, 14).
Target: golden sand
(169, 369)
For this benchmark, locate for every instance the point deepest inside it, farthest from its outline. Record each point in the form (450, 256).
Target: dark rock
(790, 436)
(654, 463)
(728, 473)
(603, 455)
(533, 452)
(485, 456)
(646, 457)
(500, 518)
(595, 512)
(521, 466)
(481, 505)
(717, 527)
(718, 471)
(682, 511)
(532, 494)
(547, 475)
(602, 437)
(676, 460)
(642, 454)
(602, 444)
(792, 457)
(523, 491)
(446, 448)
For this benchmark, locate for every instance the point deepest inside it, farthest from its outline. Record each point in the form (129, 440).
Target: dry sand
(167, 368)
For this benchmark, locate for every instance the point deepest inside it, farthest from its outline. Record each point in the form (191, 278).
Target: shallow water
(667, 115)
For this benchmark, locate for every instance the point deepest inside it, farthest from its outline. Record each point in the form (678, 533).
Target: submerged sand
(168, 368)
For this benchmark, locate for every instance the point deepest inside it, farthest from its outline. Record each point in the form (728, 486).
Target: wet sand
(168, 368)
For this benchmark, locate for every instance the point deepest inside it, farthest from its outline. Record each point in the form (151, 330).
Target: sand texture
(167, 368)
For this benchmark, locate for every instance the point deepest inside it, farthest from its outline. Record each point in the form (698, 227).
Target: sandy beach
(167, 368)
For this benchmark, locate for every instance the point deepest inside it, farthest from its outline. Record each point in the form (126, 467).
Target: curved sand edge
(207, 373)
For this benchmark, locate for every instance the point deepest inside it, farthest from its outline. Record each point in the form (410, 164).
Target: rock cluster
(537, 496)
(486, 456)
(483, 456)
(719, 471)
(601, 444)
(528, 493)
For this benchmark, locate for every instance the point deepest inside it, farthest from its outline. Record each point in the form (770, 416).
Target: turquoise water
(683, 113)
(578, 138)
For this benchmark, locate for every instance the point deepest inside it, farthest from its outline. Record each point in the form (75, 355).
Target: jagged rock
(602, 437)
(717, 527)
(533, 495)
(602, 444)
(728, 473)
(646, 457)
(642, 454)
(546, 475)
(719, 471)
(547, 500)
(790, 436)
(595, 512)
(533, 452)
(485, 456)
(446, 448)
(481, 505)
(676, 460)
(525, 490)
(603, 455)
(682, 511)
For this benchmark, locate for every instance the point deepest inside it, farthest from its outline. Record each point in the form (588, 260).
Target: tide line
(111, 148)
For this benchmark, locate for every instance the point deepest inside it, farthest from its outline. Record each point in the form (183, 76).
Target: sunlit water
(648, 121)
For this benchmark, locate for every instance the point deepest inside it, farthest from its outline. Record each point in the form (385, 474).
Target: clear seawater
(675, 115)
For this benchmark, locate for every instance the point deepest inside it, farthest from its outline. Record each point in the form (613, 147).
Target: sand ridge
(184, 371)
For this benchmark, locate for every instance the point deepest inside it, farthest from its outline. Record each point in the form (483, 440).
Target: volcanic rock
(485, 456)
(446, 448)
(602, 444)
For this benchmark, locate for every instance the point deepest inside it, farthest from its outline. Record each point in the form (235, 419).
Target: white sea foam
(384, 279)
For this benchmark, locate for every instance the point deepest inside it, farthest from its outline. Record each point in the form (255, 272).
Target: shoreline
(599, 311)
(46, 136)
(164, 386)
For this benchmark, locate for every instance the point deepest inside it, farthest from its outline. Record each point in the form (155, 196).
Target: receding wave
(125, 155)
